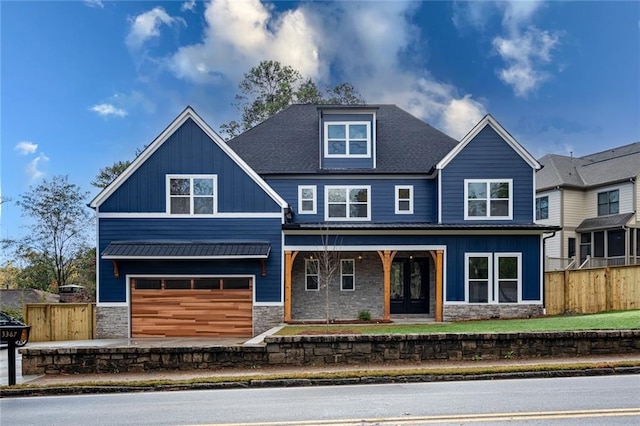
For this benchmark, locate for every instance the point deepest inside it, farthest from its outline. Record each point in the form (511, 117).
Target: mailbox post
(12, 334)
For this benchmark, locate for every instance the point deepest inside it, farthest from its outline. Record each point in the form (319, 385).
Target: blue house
(320, 212)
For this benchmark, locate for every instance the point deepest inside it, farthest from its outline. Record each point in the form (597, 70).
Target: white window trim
(398, 199)
(342, 274)
(492, 290)
(314, 199)
(347, 188)
(347, 124)
(191, 177)
(496, 289)
(489, 256)
(307, 274)
(487, 182)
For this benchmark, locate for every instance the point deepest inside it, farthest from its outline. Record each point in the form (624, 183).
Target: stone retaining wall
(331, 350)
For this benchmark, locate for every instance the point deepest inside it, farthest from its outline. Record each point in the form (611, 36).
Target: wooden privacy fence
(60, 321)
(593, 290)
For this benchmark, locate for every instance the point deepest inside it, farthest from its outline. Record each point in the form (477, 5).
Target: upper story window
(488, 198)
(542, 208)
(307, 199)
(347, 203)
(191, 194)
(608, 202)
(404, 199)
(347, 139)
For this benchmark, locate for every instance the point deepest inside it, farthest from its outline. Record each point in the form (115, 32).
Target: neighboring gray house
(595, 200)
(14, 299)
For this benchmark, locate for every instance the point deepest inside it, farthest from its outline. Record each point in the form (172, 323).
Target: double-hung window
(347, 139)
(493, 277)
(347, 203)
(488, 198)
(608, 202)
(311, 275)
(307, 199)
(347, 275)
(404, 199)
(191, 194)
(542, 208)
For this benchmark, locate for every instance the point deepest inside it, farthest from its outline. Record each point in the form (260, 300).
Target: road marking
(489, 417)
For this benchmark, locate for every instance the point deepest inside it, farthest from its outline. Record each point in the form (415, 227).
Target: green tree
(270, 87)
(108, 174)
(57, 233)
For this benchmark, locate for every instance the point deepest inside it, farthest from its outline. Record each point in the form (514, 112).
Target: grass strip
(418, 371)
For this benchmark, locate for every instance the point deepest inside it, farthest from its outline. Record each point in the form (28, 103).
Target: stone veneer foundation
(266, 317)
(464, 312)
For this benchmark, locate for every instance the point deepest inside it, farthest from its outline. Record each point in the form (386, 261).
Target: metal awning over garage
(186, 250)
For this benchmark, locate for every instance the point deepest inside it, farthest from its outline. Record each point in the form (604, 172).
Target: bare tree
(328, 266)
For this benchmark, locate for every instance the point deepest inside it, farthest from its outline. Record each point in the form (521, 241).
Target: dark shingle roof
(187, 250)
(613, 165)
(604, 222)
(289, 142)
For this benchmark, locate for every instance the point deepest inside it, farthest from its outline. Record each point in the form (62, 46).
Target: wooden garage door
(191, 307)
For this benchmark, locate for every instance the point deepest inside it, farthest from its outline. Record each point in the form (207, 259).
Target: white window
(311, 281)
(307, 199)
(493, 278)
(191, 194)
(488, 199)
(404, 199)
(347, 203)
(347, 139)
(347, 275)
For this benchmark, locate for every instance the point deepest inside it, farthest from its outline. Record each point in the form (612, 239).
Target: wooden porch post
(387, 258)
(439, 313)
(289, 257)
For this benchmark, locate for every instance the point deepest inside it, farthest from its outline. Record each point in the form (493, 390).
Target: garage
(191, 306)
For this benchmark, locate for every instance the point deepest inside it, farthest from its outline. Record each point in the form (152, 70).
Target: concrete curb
(537, 371)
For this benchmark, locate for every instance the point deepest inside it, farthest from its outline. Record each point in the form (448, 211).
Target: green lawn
(625, 320)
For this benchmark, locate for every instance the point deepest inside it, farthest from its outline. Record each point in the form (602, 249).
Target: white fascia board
(488, 120)
(162, 138)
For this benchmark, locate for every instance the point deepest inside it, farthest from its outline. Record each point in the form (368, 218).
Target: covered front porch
(342, 282)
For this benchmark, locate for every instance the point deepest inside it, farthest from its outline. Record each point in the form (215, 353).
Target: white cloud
(364, 42)
(475, 14)
(106, 110)
(147, 25)
(524, 55)
(94, 3)
(26, 148)
(188, 5)
(33, 169)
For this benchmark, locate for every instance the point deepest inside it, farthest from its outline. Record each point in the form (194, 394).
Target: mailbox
(18, 335)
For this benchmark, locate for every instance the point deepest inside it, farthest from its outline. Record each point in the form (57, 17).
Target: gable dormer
(347, 137)
(487, 178)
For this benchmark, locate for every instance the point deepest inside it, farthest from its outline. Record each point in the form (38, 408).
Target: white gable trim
(162, 138)
(488, 120)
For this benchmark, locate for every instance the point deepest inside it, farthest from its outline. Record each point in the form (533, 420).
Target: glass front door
(409, 285)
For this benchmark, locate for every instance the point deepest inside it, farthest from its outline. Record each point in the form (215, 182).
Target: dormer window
(347, 139)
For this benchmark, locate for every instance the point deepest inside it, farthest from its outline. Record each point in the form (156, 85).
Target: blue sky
(85, 83)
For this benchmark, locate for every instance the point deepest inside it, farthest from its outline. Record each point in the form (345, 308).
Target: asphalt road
(607, 400)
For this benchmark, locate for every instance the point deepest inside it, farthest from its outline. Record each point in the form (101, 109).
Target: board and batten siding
(487, 156)
(188, 151)
(267, 288)
(456, 247)
(382, 197)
